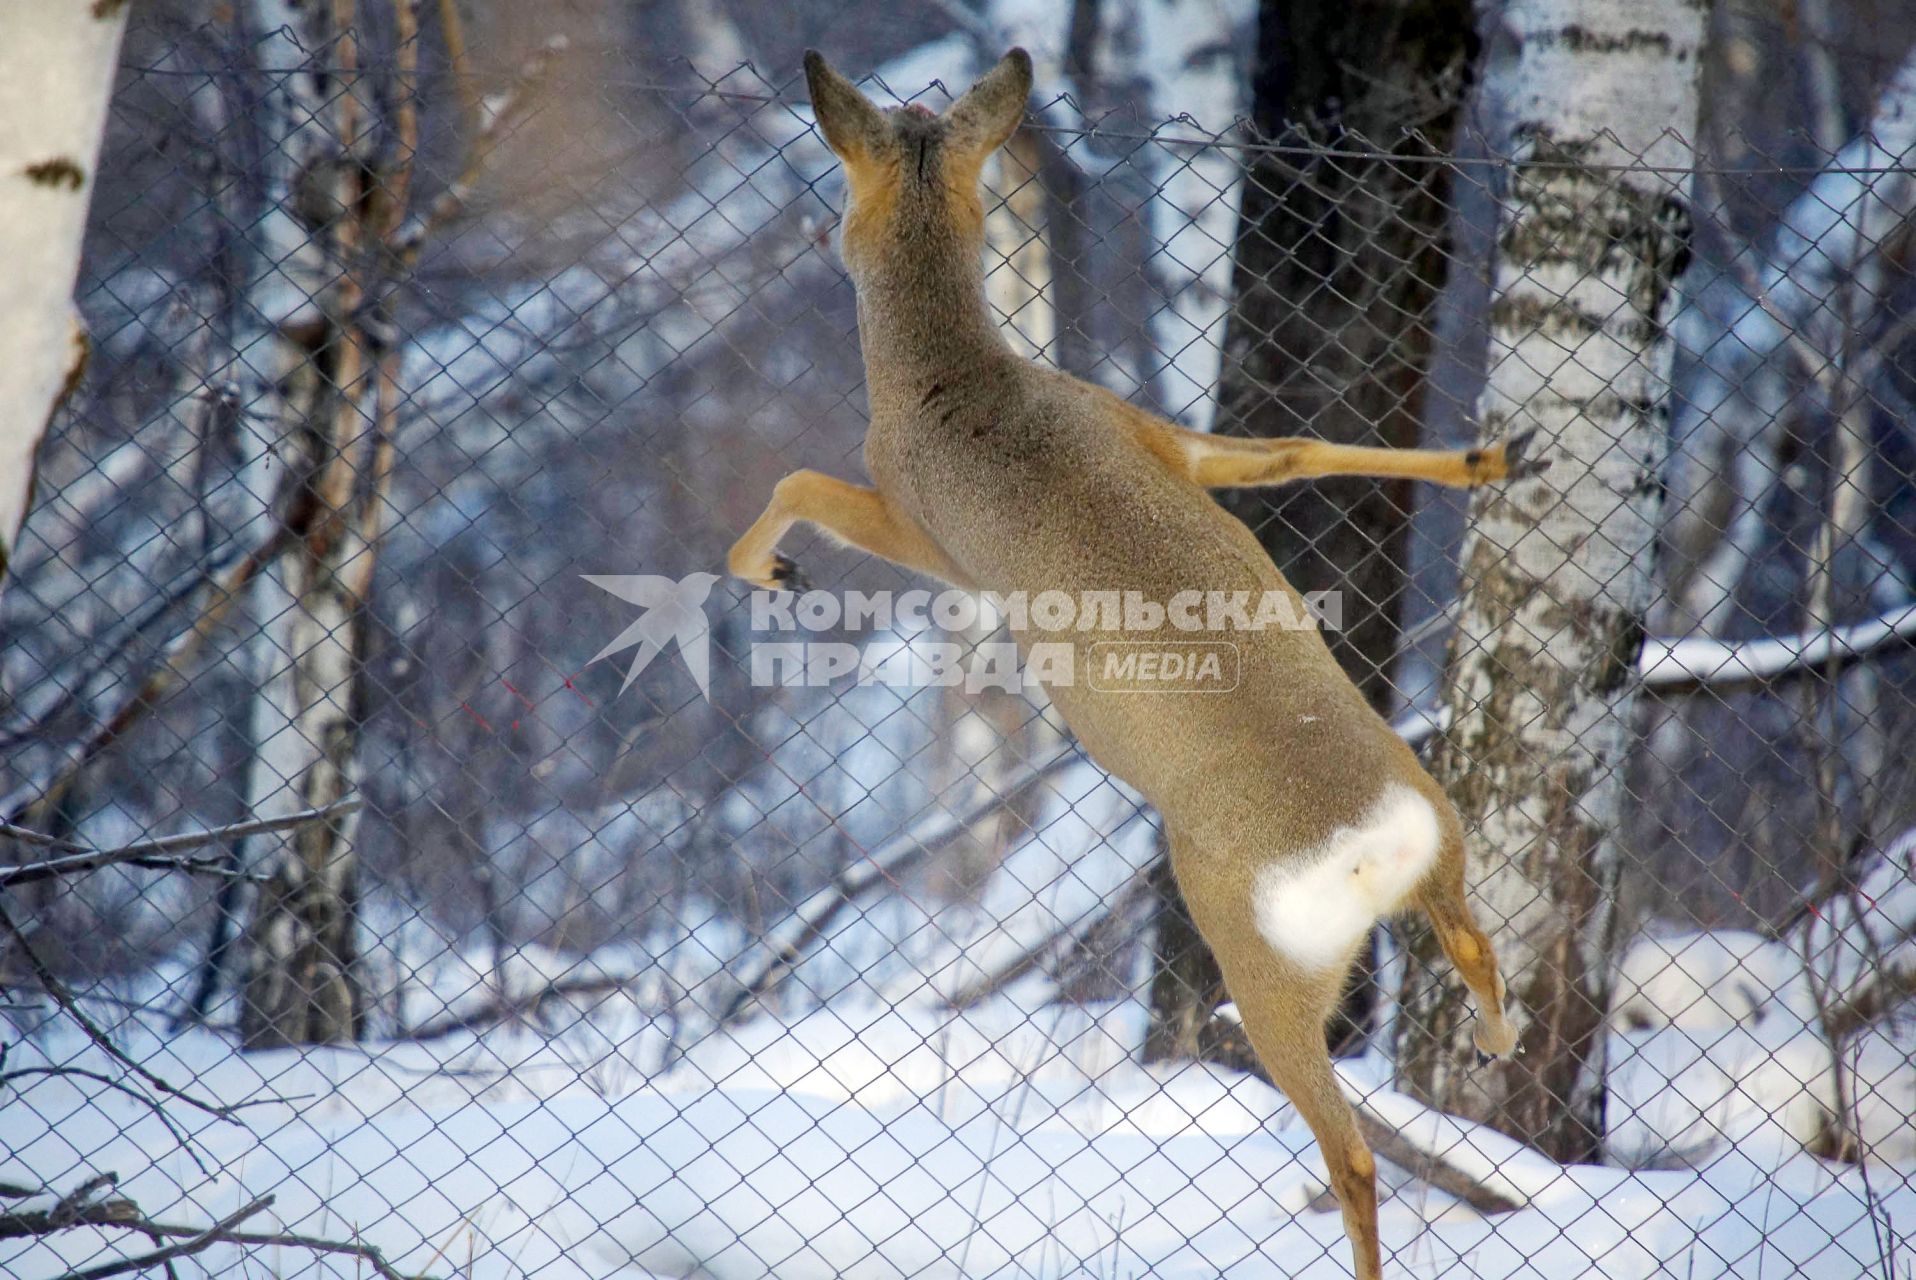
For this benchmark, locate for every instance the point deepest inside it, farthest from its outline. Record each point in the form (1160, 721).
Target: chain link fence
(384, 893)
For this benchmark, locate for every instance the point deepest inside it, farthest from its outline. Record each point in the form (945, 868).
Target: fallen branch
(508, 1008)
(83, 1207)
(150, 853)
(1705, 661)
(1229, 1047)
(1055, 946)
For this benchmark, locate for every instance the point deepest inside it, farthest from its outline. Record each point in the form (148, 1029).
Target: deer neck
(923, 322)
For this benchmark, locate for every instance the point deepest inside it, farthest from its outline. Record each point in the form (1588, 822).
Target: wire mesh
(521, 941)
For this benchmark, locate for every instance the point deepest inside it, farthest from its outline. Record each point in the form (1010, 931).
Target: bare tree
(301, 941)
(57, 62)
(1542, 670)
(338, 430)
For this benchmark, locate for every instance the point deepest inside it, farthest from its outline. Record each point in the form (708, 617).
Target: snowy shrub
(1678, 1093)
(1709, 981)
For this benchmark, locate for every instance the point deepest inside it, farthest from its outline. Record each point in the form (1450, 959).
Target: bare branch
(497, 112)
(395, 182)
(119, 1086)
(453, 32)
(169, 672)
(815, 915)
(1060, 943)
(150, 853)
(1386, 1140)
(51, 983)
(194, 1242)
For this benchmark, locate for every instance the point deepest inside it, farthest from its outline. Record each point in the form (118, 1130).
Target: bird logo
(674, 612)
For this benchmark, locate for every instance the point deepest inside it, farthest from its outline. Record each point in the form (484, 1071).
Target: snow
(1716, 1044)
(869, 1138)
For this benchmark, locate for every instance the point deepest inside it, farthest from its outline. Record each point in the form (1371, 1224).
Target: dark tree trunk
(1339, 264)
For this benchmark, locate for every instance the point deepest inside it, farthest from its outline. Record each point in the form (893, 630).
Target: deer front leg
(1218, 462)
(852, 514)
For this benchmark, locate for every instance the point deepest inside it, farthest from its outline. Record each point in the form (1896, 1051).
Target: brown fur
(991, 472)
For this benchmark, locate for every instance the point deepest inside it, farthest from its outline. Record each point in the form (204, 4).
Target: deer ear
(851, 124)
(978, 123)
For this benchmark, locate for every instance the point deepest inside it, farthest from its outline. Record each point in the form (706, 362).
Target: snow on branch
(1703, 661)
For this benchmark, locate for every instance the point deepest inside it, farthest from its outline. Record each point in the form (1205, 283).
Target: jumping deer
(1296, 818)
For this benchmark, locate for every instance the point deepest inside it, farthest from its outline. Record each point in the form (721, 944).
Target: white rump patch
(1315, 905)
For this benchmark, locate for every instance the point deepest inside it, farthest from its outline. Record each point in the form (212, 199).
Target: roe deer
(1296, 817)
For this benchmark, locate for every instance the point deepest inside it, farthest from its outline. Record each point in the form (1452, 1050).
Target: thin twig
(170, 670)
(52, 985)
(173, 1126)
(27, 873)
(880, 867)
(153, 853)
(500, 110)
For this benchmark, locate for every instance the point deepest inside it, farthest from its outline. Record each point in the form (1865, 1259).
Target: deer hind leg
(1442, 899)
(1221, 462)
(1288, 1035)
(1284, 1000)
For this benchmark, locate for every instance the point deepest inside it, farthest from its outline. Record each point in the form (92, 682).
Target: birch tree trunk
(57, 62)
(1541, 676)
(302, 941)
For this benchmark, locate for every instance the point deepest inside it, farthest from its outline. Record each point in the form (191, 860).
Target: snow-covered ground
(867, 1140)
(862, 1127)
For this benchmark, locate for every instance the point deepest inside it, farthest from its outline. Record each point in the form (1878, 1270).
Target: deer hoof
(787, 576)
(1516, 465)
